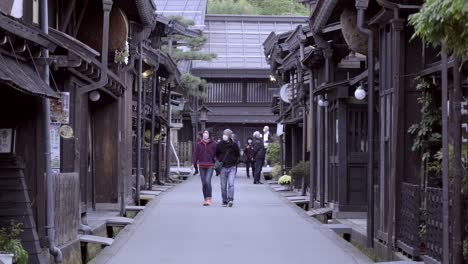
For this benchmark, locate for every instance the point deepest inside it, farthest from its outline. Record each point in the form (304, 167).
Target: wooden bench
(289, 194)
(117, 221)
(161, 188)
(281, 189)
(134, 208)
(298, 198)
(147, 197)
(322, 214)
(155, 193)
(86, 239)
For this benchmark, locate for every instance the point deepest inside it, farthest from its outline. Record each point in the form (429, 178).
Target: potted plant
(284, 180)
(11, 249)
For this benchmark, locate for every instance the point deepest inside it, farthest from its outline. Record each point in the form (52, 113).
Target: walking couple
(226, 154)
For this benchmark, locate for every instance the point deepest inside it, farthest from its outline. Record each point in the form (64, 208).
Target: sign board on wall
(55, 147)
(60, 109)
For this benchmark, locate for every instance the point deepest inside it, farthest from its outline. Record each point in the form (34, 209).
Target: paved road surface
(261, 228)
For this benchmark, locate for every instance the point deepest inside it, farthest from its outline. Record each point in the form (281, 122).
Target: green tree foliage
(231, 7)
(190, 49)
(257, 7)
(443, 21)
(273, 152)
(191, 83)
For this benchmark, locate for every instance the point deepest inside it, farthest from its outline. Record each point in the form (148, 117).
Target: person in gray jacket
(228, 153)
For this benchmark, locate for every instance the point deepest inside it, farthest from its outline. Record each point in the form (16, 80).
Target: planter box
(6, 258)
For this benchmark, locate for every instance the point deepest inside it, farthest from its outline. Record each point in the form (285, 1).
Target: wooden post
(457, 165)
(445, 161)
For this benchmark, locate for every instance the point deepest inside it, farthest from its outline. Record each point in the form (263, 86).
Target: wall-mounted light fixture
(94, 96)
(323, 102)
(360, 93)
(147, 74)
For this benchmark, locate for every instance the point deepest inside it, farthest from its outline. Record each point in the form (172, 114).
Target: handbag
(219, 164)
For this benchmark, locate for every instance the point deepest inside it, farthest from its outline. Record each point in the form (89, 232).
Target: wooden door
(357, 148)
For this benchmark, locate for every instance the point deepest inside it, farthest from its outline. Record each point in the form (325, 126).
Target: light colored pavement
(261, 228)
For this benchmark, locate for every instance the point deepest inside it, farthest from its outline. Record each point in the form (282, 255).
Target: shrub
(284, 180)
(302, 169)
(273, 152)
(10, 242)
(276, 171)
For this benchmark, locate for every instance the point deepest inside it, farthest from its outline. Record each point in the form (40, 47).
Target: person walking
(249, 158)
(228, 153)
(259, 153)
(204, 156)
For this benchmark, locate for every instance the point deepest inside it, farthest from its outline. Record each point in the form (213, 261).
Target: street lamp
(203, 116)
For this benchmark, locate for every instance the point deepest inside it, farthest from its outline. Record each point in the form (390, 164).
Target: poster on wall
(60, 109)
(6, 140)
(55, 147)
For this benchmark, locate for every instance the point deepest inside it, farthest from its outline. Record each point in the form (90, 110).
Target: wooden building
(241, 88)
(96, 65)
(323, 65)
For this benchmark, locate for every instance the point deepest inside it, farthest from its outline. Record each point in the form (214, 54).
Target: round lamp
(360, 93)
(94, 96)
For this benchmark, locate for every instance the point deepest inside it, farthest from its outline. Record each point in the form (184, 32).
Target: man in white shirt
(266, 141)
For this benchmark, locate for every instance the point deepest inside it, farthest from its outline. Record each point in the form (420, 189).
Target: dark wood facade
(95, 164)
(405, 199)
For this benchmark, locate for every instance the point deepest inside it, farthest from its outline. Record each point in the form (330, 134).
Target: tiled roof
(238, 40)
(189, 9)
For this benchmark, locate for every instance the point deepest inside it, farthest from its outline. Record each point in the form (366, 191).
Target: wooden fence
(184, 152)
(67, 207)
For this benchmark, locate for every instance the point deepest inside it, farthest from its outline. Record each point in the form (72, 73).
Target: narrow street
(261, 228)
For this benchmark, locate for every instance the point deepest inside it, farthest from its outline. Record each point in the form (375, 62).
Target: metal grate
(434, 223)
(409, 219)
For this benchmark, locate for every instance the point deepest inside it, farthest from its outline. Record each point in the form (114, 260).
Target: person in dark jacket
(249, 158)
(228, 153)
(259, 153)
(204, 156)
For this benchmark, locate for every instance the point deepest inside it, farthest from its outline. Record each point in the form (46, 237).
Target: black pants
(249, 164)
(258, 169)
